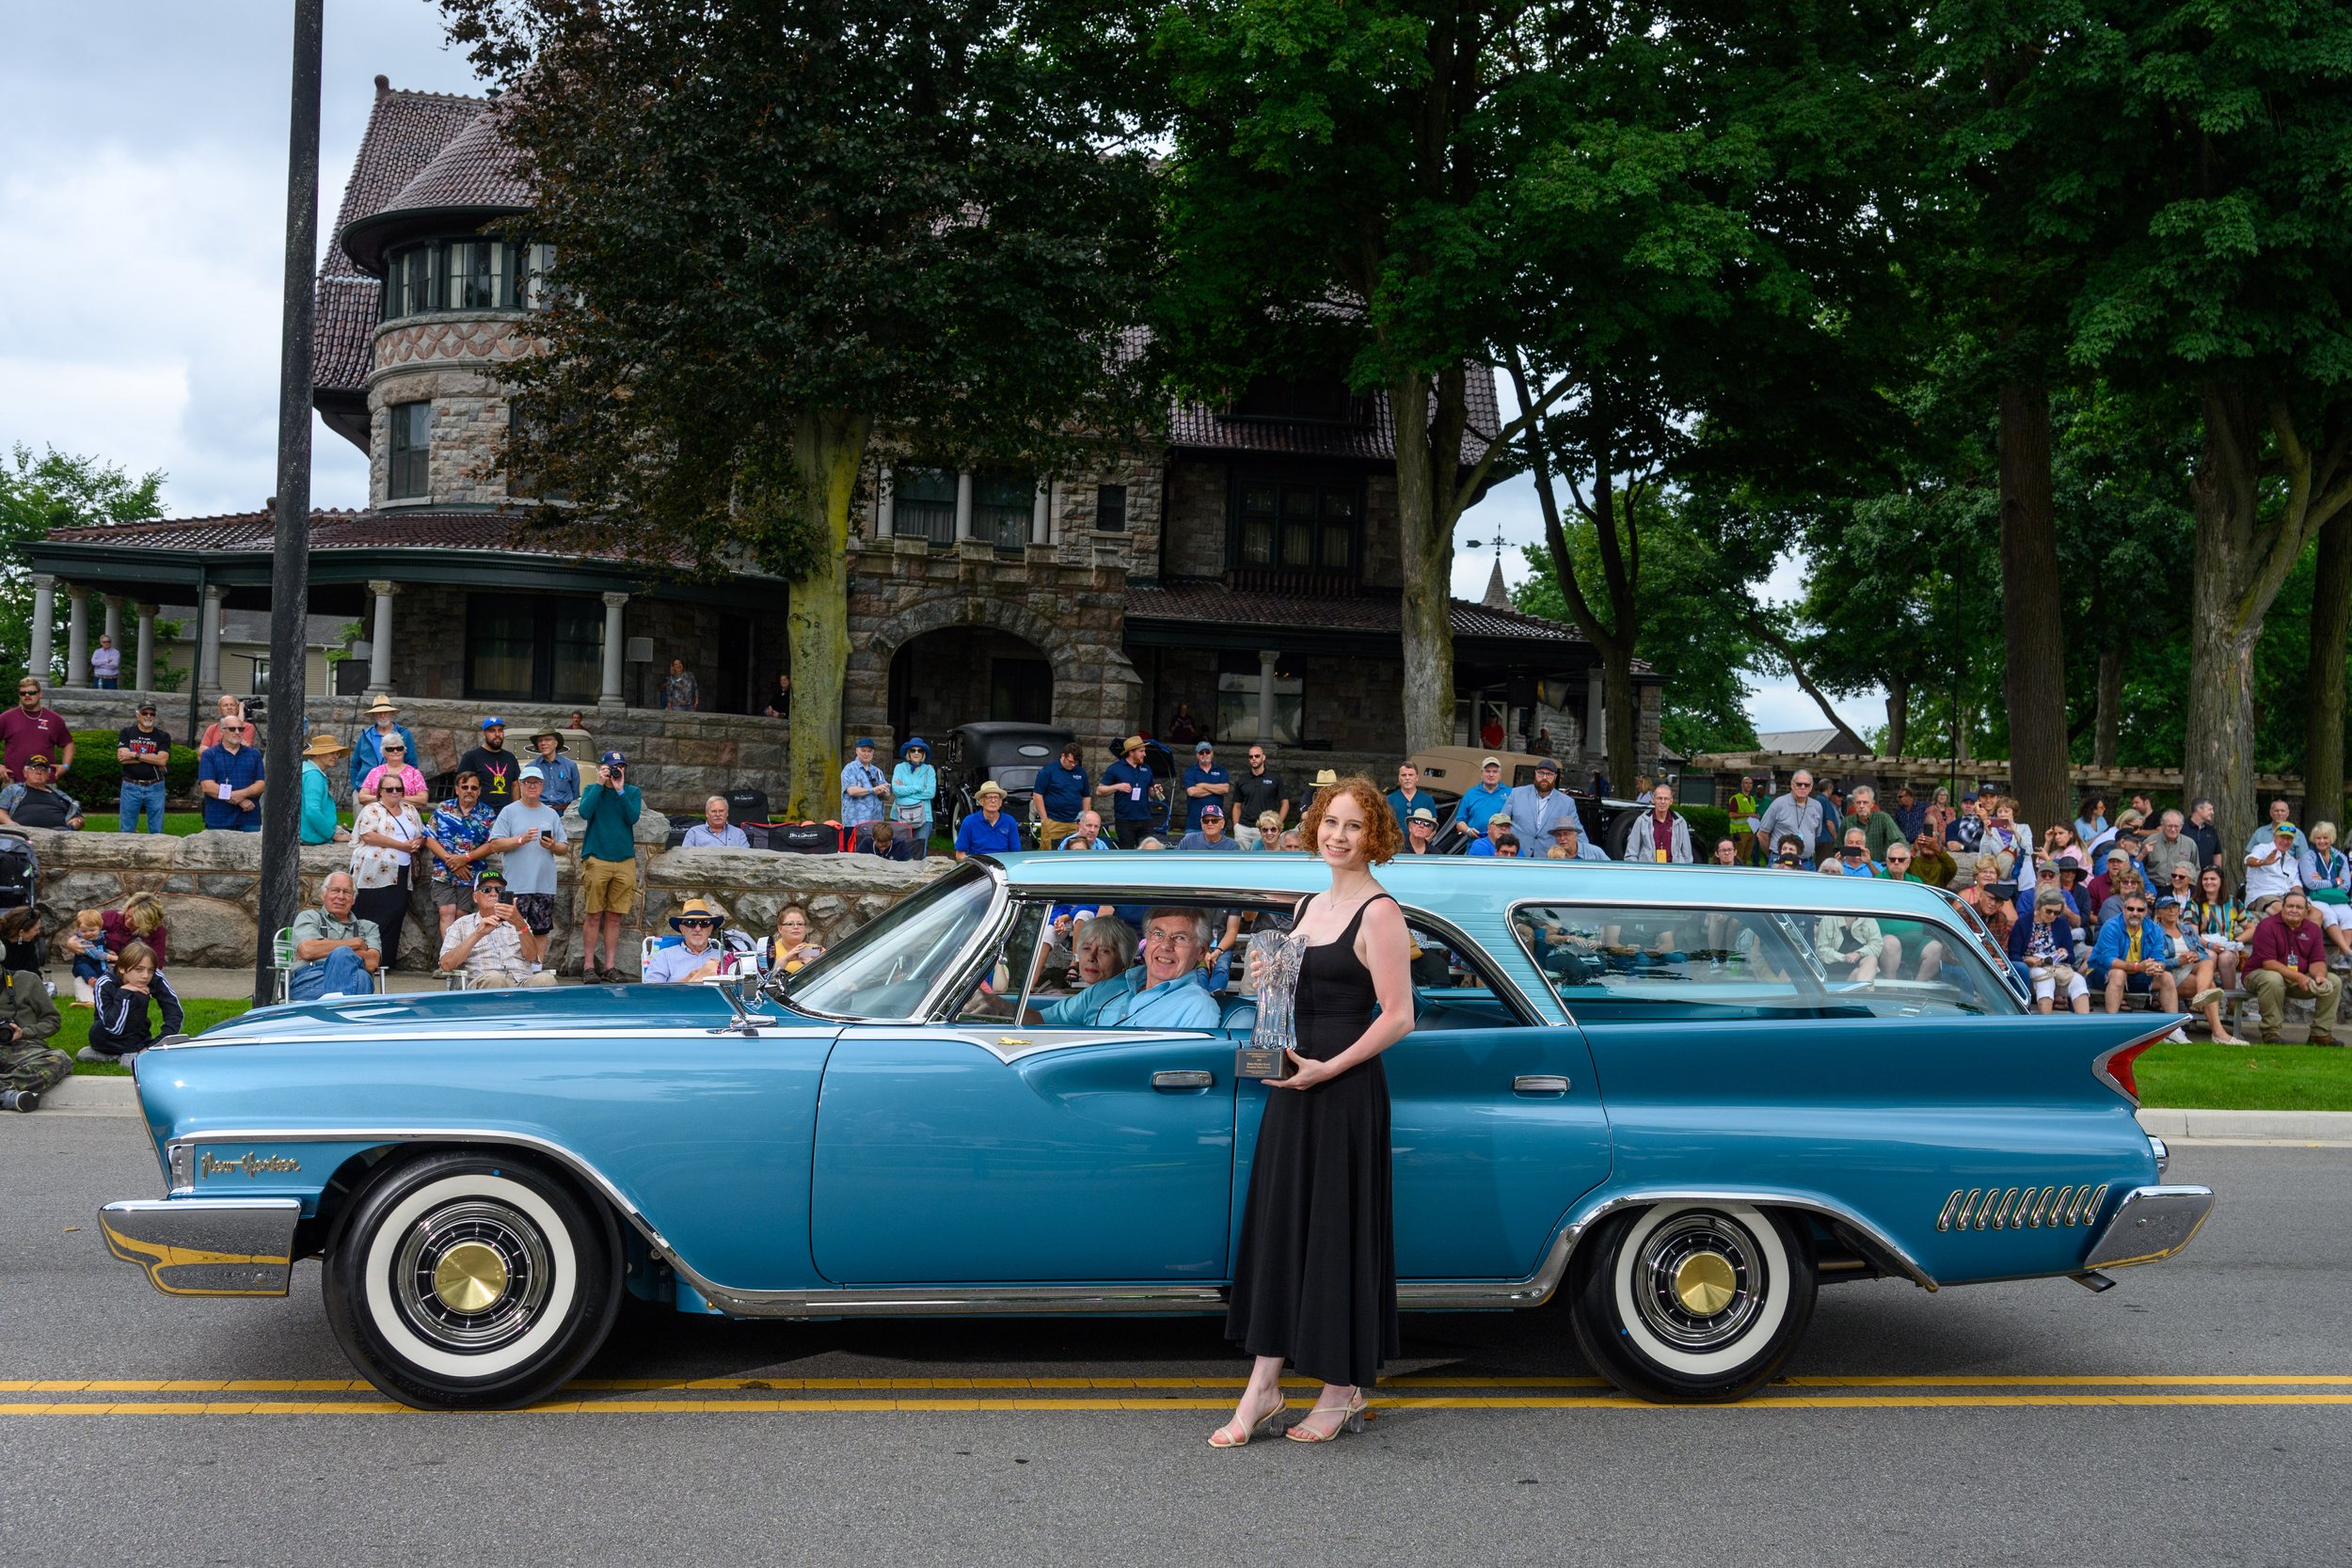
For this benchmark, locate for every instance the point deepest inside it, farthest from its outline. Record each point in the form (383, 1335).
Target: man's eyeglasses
(695, 925)
(2135, 909)
(1168, 936)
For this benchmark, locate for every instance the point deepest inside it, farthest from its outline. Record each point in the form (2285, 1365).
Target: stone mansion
(1246, 565)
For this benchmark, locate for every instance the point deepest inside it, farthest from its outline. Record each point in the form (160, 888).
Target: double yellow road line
(745, 1396)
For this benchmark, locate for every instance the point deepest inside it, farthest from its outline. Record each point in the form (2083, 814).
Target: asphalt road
(2031, 1423)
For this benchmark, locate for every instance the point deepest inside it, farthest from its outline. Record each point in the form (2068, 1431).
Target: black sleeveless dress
(1315, 1281)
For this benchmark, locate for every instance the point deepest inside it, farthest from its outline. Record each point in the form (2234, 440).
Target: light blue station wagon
(1687, 1096)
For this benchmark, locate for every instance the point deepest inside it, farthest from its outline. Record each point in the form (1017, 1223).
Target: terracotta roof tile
(1197, 425)
(476, 169)
(253, 531)
(344, 336)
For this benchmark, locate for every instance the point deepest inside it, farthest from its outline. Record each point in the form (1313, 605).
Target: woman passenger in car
(1164, 992)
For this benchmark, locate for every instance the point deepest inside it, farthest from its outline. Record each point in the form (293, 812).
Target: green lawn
(2204, 1077)
(74, 1031)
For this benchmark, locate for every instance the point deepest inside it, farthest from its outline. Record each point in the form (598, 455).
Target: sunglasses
(685, 923)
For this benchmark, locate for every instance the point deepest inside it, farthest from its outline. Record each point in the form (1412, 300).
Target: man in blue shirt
(228, 776)
(988, 830)
(864, 789)
(1484, 799)
(1211, 834)
(1165, 991)
(1061, 795)
(1204, 781)
(1089, 833)
(1406, 798)
(1129, 784)
(1566, 836)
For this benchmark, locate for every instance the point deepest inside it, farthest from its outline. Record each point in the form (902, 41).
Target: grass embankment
(73, 1028)
(2201, 1076)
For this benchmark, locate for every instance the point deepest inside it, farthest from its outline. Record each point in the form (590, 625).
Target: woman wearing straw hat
(367, 753)
(319, 825)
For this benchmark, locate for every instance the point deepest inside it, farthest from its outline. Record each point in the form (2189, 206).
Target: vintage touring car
(1680, 1095)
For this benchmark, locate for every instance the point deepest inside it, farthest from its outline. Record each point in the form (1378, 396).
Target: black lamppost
(290, 567)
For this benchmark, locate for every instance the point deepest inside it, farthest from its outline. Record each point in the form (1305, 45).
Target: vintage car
(1686, 1097)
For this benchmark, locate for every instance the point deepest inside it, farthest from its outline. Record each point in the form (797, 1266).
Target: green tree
(788, 231)
(1693, 631)
(52, 491)
(2221, 255)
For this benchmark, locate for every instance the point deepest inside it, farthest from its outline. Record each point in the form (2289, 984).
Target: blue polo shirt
(1125, 1002)
(1480, 803)
(1196, 774)
(1128, 806)
(237, 771)
(975, 836)
(1063, 791)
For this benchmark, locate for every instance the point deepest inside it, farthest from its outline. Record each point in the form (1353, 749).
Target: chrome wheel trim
(1648, 1258)
(472, 1275)
(1699, 1280)
(381, 1294)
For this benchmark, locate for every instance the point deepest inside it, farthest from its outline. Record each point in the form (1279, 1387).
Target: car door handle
(1539, 1082)
(1189, 1078)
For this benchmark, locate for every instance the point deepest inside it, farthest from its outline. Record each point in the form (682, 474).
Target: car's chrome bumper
(2150, 1224)
(221, 1247)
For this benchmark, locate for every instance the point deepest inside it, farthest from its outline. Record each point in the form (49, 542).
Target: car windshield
(886, 967)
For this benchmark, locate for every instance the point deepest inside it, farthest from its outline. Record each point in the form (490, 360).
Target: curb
(2285, 1126)
(119, 1096)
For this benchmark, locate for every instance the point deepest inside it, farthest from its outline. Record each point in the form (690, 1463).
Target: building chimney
(383, 84)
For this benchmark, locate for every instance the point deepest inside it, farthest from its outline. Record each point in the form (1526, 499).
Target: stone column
(1040, 514)
(1265, 694)
(208, 638)
(44, 617)
(380, 643)
(76, 635)
(146, 678)
(608, 700)
(886, 504)
(963, 505)
(113, 625)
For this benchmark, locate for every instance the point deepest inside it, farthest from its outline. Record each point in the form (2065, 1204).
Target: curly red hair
(1384, 837)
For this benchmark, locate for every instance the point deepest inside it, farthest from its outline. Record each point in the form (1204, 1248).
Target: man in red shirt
(2285, 958)
(30, 730)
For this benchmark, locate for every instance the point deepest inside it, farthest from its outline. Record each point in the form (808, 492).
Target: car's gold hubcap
(1705, 1283)
(471, 1277)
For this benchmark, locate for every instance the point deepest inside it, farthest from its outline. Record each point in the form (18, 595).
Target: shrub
(1708, 825)
(97, 777)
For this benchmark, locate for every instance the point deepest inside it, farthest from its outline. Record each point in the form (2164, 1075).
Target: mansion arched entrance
(960, 674)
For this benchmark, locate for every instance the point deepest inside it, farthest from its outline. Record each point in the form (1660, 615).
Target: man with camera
(607, 862)
(488, 944)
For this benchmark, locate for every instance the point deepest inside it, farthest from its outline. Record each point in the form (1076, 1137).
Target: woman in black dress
(1315, 1282)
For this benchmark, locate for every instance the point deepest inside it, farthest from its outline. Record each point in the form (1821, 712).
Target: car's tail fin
(2126, 1038)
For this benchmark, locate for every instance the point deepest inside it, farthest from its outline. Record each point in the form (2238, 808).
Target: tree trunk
(1424, 516)
(1897, 714)
(2323, 737)
(2033, 678)
(2107, 728)
(828, 451)
(2242, 557)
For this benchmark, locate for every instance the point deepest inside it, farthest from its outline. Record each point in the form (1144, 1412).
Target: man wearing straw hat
(319, 825)
(1129, 784)
(988, 829)
(697, 957)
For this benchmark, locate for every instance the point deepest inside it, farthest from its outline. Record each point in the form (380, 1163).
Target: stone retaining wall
(677, 759)
(209, 886)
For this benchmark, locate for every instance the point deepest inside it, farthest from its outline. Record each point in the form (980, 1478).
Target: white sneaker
(535, 969)
(2177, 1038)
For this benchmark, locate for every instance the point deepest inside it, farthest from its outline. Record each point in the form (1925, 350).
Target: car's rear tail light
(2113, 1065)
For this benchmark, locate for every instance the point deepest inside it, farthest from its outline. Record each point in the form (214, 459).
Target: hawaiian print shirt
(459, 832)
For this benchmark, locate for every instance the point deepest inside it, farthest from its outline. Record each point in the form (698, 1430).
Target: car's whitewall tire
(1691, 1302)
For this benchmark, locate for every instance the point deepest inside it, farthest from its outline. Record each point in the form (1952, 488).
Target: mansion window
(1110, 508)
(923, 505)
(1296, 525)
(533, 648)
(1001, 507)
(408, 475)
(473, 273)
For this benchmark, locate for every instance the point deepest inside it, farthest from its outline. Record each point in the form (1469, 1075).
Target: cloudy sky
(142, 201)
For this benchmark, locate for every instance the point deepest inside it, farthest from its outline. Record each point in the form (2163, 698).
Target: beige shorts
(610, 887)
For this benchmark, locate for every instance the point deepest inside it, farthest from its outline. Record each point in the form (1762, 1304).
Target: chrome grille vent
(2021, 1209)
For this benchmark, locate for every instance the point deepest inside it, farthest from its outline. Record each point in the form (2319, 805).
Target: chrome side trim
(1009, 1047)
(396, 1033)
(2162, 1151)
(230, 1247)
(2149, 1225)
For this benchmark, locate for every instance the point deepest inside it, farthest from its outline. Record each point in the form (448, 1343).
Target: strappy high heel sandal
(1220, 1438)
(1351, 1421)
